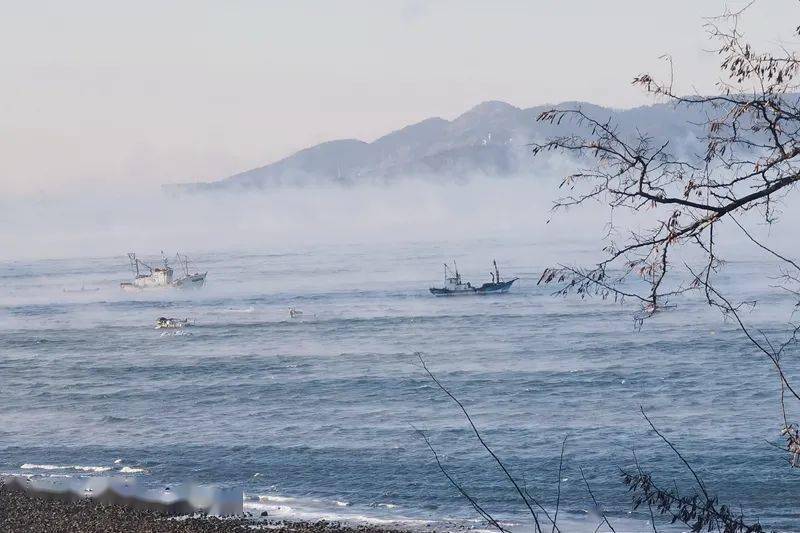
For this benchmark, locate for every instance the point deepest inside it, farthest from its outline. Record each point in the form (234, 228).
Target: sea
(320, 416)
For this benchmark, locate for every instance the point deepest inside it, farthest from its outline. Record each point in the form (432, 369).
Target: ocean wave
(384, 505)
(79, 468)
(131, 470)
(313, 509)
(29, 466)
(314, 514)
(280, 499)
(250, 309)
(178, 333)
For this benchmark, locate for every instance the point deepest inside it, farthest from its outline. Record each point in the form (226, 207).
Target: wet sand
(21, 512)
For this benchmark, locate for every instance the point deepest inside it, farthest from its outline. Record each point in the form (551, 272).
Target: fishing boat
(497, 284)
(454, 286)
(190, 281)
(161, 276)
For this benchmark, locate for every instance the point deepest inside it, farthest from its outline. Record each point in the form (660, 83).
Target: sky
(97, 93)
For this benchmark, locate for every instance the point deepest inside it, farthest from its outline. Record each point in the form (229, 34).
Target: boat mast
(496, 270)
(134, 263)
(184, 263)
(140, 262)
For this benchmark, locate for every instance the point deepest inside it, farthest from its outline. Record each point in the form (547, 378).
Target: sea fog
(97, 220)
(107, 221)
(316, 417)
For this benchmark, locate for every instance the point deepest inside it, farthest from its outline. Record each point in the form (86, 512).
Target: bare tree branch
(477, 433)
(596, 505)
(681, 457)
(481, 511)
(558, 493)
(748, 165)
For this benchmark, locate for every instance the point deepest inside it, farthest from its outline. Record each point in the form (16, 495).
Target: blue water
(316, 416)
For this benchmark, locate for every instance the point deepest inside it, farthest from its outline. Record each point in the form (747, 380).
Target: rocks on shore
(21, 512)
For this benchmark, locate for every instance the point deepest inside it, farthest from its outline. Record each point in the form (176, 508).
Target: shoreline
(21, 512)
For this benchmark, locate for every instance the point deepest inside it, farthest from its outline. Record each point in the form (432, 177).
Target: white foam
(131, 470)
(287, 512)
(386, 505)
(268, 498)
(387, 515)
(92, 468)
(312, 510)
(28, 466)
(80, 468)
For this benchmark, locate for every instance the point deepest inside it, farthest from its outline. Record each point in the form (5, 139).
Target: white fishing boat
(161, 277)
(453, 286)
(188, 280)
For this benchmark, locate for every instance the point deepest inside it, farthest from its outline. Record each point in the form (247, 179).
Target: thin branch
(596, 505)
(674, 449)
(649, 505)
(558, 494)
(481, 511)
(485, 446)
(765, 248)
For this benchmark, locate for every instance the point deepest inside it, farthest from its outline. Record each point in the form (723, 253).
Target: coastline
(21, 512)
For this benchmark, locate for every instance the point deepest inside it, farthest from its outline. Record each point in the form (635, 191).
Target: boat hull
(490, 288)
(450, 292)
(193, 281)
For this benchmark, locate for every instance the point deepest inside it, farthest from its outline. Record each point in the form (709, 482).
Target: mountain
(491, 139)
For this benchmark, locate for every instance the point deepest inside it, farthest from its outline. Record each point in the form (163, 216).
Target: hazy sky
(104, 92)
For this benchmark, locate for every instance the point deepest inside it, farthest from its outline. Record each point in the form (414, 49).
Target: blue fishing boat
(454, 286)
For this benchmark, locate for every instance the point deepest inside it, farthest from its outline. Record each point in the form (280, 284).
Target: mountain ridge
(489, 139)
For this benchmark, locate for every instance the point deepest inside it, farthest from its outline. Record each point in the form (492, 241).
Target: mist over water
(95, 222)
(313, 416)
(113, 221)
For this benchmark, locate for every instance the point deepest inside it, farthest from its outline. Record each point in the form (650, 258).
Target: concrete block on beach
(181, 499)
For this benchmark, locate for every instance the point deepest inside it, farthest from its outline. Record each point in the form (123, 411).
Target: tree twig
(485, 446)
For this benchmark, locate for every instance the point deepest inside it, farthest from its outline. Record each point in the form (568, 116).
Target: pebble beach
(21, 512)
